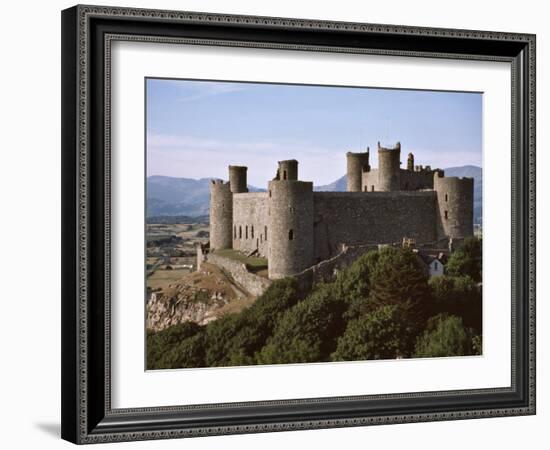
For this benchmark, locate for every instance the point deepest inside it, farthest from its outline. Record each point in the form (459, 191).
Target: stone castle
(295, 227)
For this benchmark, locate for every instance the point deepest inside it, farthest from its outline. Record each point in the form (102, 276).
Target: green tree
(164, 353)
(466, 260)
(233, 340)
(399, 279)
(459, 296)
(381, 334)
(307, 332)
(352, 285)
(159, 343)
(445, 336)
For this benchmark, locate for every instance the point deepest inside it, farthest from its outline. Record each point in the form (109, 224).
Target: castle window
(234, 231)
(372, 188)
(290, 234)
(261, 238)
(265, 232)
(446, 214)
(240, 232)
(446, 198)
(252, 231)
(284, 174)
(270, 192)
(246, 232)
(365, 188)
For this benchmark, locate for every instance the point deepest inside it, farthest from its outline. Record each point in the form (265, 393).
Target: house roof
(429, 257)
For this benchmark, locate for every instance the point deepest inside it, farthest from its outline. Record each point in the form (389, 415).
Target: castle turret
(237, 179)
(455, 198)
(388, 168)
(221, 215)
(290, 226)
(410, 162)
(357, 164)
(288, 169)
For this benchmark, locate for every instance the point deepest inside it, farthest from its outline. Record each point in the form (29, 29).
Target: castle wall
(288, 169)
(254, 284)
(389, 168)
(455, 206)
(328, 268)
(290, 237)
(250, 216)
(370, 181)
(237, 179)
(414, 180)
(357, 165)
(355, 218)
(221, 215)
(408, 180)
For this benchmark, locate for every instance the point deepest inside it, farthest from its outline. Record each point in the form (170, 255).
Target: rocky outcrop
(199, 297)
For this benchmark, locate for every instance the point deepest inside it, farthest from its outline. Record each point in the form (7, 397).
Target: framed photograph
(278, 224)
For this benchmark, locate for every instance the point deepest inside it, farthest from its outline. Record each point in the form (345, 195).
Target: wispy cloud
(210, 90)
(196, 157)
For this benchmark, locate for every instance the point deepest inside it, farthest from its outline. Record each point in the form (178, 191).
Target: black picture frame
(87, 416)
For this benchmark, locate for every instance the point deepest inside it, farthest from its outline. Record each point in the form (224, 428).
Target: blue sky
(195, 129)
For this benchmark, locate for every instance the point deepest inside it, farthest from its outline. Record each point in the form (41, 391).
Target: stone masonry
(296, 228)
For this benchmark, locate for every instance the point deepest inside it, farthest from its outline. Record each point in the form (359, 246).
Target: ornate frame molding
(80, 424)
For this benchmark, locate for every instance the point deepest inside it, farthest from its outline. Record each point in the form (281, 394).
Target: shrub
(466, 260)
(177, 346)
(233, 340)
(445, 336)
(380, 334)
(307, 332)
(459, 296)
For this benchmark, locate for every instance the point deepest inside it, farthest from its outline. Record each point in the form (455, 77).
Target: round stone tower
(455, 200)
(357, 164)
(388, 168)
(288, 169)
(221, 215)
(410, 162)
(290, 224)
(237, 179)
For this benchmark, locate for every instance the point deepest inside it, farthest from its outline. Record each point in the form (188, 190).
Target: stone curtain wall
(374, 218)
(423, 179)
(408, 180)
(327, 269)
(250, 210)
(254, 284)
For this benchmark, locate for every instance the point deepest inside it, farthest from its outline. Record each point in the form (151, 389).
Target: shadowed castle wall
(290, 229)
(250, 216)
(237, 179)
(288, 169)
(389, 168)
(357, 165)
(376, 218)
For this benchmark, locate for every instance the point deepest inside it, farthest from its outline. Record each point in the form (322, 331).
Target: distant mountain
(170, 196)
(340, 185)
